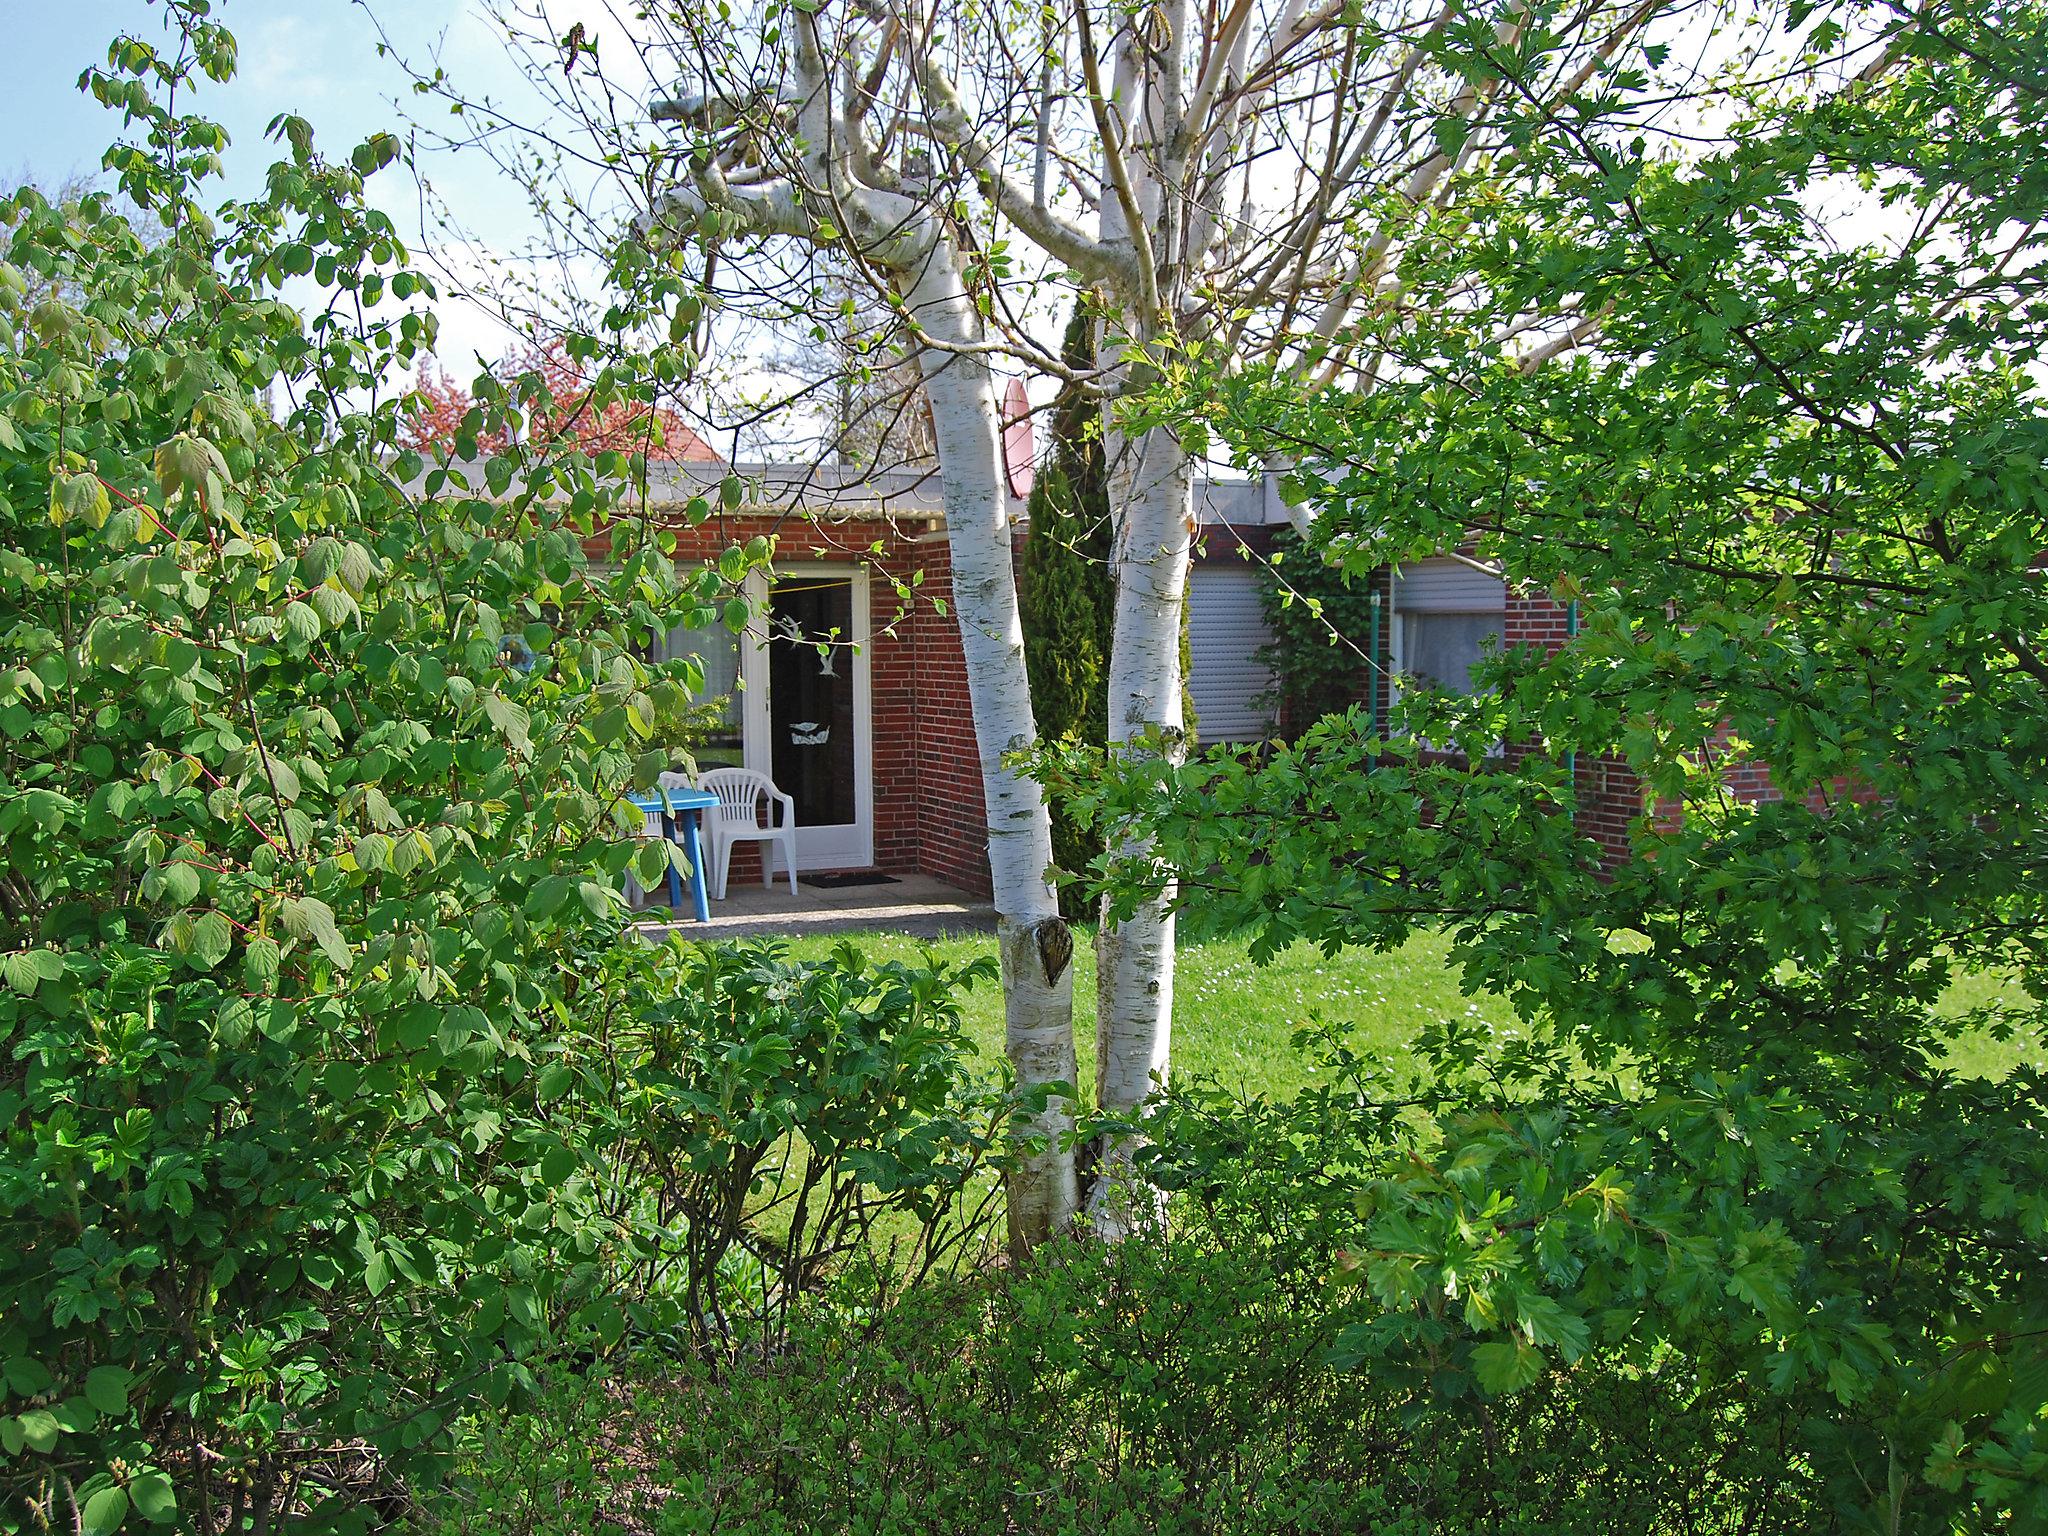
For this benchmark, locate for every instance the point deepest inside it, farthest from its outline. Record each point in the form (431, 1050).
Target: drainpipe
(1375, 674)
(1571, 633)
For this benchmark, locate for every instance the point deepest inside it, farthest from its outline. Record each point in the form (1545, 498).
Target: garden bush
(767, 1129)
(303, 856)
(1179, 1384)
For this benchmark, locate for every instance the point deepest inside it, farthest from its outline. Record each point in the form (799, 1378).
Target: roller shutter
(1441, 585)
(1226, 631)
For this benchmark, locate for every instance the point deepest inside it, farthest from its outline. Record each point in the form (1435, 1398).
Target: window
(1446, 617)
(718, 649)
(1441, 649)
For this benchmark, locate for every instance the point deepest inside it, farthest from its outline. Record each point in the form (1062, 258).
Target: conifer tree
(1066, 590)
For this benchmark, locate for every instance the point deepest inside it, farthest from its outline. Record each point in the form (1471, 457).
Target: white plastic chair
(743, 794)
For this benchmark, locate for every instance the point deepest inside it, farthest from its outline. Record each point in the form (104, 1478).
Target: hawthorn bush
(1790, 466)
(302, 854)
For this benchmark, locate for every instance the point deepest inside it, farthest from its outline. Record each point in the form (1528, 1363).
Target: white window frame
(1397, 648)
(851, 845)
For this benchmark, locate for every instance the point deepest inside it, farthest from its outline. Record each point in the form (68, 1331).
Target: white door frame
(843, 847)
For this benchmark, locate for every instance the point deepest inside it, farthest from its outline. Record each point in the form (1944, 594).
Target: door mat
(841, 879)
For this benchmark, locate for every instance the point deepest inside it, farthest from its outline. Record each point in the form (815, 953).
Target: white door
(808, 713)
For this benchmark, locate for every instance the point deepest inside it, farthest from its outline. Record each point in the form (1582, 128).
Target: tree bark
(1035, 943)
(1152, 487)
(1151, 493)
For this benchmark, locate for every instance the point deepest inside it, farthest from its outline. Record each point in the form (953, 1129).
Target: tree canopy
(1790, 466)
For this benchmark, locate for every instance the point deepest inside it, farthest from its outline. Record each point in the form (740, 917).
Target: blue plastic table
(684, 807)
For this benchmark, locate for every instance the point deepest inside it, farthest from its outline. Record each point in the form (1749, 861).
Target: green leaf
(1503, 1367)
(26, 1376)
(39, 1428)
(234, 1021)
(154, 1498)
(26, 969)
(283, 777)
(356, 569)
(178, 883)
(212, 938)
(1549, 1325)
(106, 1388)
(409, 850)
(105, 1510)
(184, 462)
(79, 498)
(311, 918)
(301, 623)
(511, 720)
(334, 605)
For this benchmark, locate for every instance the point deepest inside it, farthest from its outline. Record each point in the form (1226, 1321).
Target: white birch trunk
(1151, 493)
(1035, 942)
(1151, 490)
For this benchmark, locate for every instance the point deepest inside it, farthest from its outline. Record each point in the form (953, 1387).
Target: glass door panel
(811, 698)
(805, 683)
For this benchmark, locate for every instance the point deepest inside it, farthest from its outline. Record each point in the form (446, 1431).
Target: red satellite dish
(1019, 451)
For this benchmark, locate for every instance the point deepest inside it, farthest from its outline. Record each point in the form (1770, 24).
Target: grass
(1232, 1020)
(1235, 1021)
(1978, 1052)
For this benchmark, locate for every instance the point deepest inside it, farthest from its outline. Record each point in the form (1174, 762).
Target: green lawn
(1234, 1021)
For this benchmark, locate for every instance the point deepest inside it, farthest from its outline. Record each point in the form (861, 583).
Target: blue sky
(317, 58)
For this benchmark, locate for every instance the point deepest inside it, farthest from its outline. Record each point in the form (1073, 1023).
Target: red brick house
(1439, 614)
(874, 739)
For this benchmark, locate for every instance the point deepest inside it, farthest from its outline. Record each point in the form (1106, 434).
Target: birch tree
(1236, 180)
(832, 190)
(1239, 181)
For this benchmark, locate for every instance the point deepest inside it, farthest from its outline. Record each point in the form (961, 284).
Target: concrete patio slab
(915, 904)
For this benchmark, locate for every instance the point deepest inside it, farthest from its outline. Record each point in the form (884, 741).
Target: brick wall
(1609, 795)
(951, 833)
(928, 815)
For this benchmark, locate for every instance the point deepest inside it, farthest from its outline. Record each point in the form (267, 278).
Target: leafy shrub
(1181, 1385)
(298, 865)
(765, 1126)
(1834, 1271)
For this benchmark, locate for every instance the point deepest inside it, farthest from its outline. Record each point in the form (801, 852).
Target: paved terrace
(915, 904)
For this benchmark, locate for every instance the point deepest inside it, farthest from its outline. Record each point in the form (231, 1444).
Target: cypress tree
(1066, 592)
